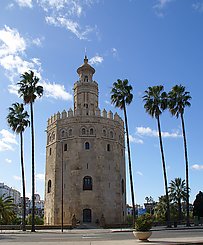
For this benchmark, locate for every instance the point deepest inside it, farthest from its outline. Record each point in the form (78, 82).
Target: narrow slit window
(49, 186)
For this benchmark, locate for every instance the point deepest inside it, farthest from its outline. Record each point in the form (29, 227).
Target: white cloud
(142, 131)
(11, 42)
(24, 3)
(70, 7)
(198, 6)
(18, 178)
(56, 91)
(12, 50)
(10, 6)
(7, 140)
(63, 13)
(197, 167)
(13, 89)
(40, 177)
(15, 65)
(135, 140)
(160, 5)
(37, 41)
(139, 173)
(96, 60)
(114, 52)
(70, 25)
(8, 160)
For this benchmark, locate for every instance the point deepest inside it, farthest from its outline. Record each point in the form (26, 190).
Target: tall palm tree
(121, 96)
(6, 209)
(178, 100)
(178, 192)
(29, 90)
(18, 121)
(155, 103)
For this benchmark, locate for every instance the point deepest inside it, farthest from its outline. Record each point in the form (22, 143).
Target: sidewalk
(115, 242)
(89, 232)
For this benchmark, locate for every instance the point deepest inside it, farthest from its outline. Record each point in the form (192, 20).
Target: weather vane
(85, 52)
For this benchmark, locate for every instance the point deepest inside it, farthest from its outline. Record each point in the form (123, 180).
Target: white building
(9, 191)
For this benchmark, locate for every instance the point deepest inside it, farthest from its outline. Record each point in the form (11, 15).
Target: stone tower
(85, 160)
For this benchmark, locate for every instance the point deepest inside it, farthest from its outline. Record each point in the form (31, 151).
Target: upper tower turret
(85, 91)
(86, 71)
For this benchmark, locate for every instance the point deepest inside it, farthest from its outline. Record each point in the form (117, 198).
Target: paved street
(98, 237)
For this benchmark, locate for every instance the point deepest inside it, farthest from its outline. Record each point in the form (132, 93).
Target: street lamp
(61, 186)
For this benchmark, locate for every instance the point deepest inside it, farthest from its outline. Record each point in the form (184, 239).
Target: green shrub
(144, 222)
(38, 220)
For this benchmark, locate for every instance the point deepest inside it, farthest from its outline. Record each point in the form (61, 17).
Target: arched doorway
(87, 215)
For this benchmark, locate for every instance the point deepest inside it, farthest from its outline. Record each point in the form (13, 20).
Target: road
(100, 236)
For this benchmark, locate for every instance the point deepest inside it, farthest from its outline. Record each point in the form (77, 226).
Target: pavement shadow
(170, 243)
(2, 237)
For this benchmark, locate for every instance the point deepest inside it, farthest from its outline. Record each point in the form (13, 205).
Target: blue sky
(148, 42)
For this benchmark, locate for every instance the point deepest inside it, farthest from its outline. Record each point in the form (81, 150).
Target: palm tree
(121, 96)
(178, 100)
(30, 90)
(155, 103)
(18, 121)
(6, 209)
(178, 192)
(160, 210)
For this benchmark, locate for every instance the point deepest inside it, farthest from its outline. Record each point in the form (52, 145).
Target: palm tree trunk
(179, 210)
(33, 169)
(129, 163)
(164, 170)
(186, 172)
(23, 181)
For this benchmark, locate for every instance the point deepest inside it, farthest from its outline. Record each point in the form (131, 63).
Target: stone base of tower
(88, 217)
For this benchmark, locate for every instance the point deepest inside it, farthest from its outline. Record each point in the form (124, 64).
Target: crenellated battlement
(98, 113)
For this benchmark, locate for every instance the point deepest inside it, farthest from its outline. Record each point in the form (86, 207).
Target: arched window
(91, 131)
(70, 132)
(104, 132)
(87, 145)
(108, 147)
(83, 131)
(122, 186)
(53, 136)
(49, 186)
(65, 147)
(87, 183)
(63, 133)
(86, 78)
